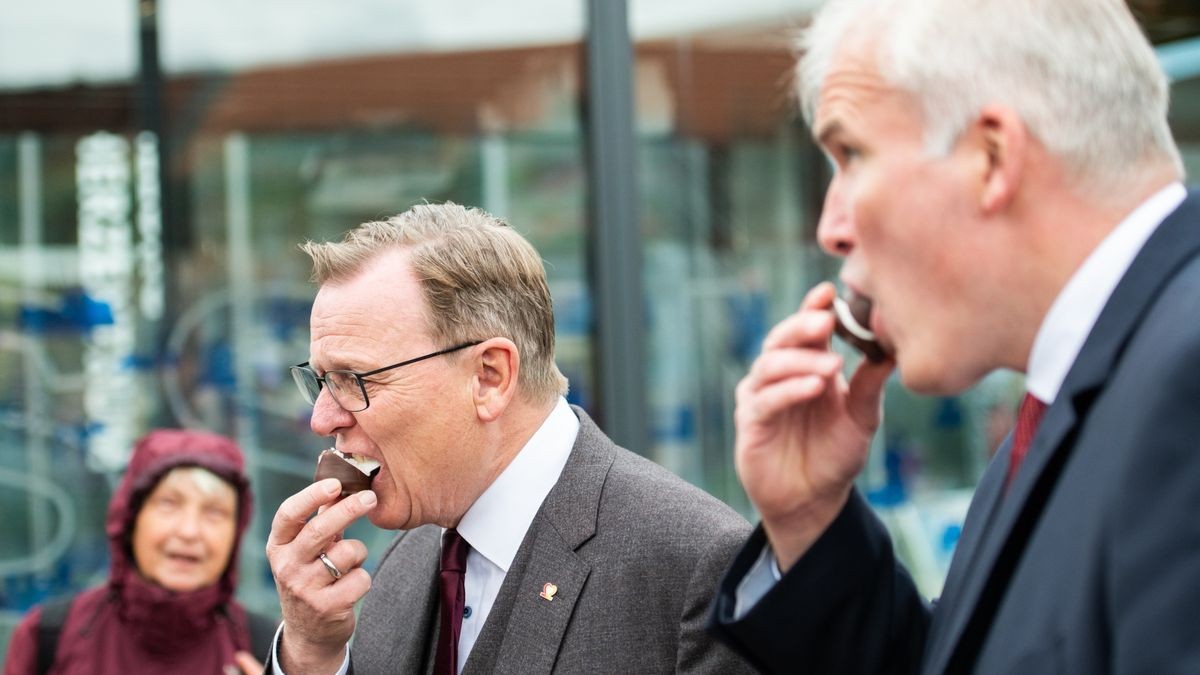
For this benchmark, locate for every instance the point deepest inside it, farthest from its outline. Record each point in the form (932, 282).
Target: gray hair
(480, 278)
(205, 481)
(1079, 73)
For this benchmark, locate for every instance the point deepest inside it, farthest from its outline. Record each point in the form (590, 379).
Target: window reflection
(288, 121)
(350, 111)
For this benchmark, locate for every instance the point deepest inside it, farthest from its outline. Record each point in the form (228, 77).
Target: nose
(835, 229)
(188, 525)
(328, 417)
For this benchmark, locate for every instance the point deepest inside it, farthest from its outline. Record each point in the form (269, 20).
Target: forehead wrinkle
(845, 92)
(853, 74)
(346, 338)
(363, 322)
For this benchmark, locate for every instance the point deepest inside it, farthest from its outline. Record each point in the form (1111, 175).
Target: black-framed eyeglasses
(347, 387)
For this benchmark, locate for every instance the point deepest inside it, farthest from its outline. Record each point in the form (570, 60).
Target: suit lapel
(399, 618)
(529, 629)
(524, 631)
(1176, 241)
(984, 506)
(961, 600)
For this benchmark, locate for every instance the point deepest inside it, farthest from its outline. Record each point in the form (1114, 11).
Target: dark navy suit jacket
(1089, 564)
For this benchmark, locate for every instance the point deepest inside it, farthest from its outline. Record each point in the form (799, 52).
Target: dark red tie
(1029, 415)
(454, 599)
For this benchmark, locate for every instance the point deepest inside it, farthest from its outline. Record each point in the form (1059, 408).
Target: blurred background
(161, 160)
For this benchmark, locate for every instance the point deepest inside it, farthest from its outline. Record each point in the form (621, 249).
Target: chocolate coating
(853, 317)
(331, 465)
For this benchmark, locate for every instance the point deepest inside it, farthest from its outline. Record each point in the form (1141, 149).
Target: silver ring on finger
(333, 570)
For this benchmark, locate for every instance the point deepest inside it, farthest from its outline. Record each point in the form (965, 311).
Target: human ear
(494, 383)
(1002, 139)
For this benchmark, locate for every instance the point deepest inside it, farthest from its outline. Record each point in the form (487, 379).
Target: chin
(384, 516)
(931, 376)
(182, 586)
(381, 521)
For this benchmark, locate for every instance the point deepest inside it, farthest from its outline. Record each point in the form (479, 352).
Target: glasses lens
(346, 390)
(307, 382)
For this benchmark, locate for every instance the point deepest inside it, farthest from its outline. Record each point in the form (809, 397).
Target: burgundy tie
(454, 599)
(1029, 415)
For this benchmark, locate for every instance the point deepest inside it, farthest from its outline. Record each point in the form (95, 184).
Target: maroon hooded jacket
(130, 625)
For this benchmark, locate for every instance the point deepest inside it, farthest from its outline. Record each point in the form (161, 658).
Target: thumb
(248, 664)
(864, 400)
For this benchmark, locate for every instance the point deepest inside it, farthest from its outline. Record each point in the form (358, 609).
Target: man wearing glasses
(528, 541)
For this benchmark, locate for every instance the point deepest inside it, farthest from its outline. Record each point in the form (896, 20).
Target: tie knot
(454, 552)
(1029, 415)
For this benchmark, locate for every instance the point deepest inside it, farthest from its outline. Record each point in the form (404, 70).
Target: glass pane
(731, 188)
(370, 108)
(284, 121)
(70, 347)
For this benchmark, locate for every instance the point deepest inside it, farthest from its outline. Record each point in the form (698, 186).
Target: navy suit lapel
(961, 598)
(984, 505)
(1176, 241)
(524, 630)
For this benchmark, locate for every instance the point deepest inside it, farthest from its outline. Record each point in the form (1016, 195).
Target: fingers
(767, 402)
(779, 364)
(796, 365)
(308, 537)
(344, 592)
(295, 555)
(247, 663)
(314, 601)
(317, 603)
(325, 528)
(819, 297)
(316, 585)
(865, 398)
(810, 327)
(293, 513)
(345, 555)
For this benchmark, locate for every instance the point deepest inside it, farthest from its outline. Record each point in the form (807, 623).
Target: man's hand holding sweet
(803, 431)
(318, 574)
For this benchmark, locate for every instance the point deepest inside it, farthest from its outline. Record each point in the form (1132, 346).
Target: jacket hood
(155, 454)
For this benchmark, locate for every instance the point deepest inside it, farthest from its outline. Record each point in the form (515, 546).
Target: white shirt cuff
(275, 656)
(760, 579)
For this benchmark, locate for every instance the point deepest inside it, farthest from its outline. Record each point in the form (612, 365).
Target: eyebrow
(828, 131)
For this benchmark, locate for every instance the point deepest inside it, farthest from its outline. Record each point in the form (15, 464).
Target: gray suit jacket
(636, 554)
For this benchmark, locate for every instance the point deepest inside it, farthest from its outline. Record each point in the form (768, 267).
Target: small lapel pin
(548, 591)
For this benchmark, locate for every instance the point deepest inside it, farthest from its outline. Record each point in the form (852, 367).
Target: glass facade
(151, 202)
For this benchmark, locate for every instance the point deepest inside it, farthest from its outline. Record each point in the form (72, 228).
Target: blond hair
(480, 278)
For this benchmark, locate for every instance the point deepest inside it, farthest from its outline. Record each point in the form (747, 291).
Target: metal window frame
(614, 237)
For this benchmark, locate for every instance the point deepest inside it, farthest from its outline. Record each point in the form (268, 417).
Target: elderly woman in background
(174, 526)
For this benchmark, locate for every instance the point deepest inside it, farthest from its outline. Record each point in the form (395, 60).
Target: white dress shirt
(496, 523)
(1057, 343)
(1077, 307)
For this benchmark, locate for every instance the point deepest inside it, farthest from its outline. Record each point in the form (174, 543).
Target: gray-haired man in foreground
(1008, 195)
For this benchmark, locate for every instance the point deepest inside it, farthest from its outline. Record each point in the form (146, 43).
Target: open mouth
(354, 472)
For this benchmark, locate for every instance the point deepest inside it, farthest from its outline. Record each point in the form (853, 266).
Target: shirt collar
(1078, 305)
(496, 523)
